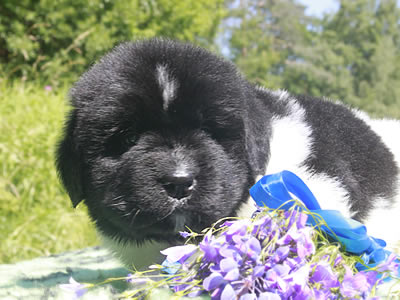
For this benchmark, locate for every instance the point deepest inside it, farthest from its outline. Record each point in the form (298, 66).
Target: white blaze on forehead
(181, 171)
(167, 84)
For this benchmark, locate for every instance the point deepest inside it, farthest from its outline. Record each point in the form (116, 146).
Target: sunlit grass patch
(36, 217)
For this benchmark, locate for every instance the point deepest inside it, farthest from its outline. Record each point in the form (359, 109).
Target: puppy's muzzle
(178, 187)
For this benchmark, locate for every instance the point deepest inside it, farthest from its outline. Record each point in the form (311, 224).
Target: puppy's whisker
(130, 212)
(118, 204)
(121, 205)
(134, 217)
(117, 198)
(166, 215)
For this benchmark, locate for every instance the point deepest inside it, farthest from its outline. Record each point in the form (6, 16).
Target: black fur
(346, 148)
(120, 143)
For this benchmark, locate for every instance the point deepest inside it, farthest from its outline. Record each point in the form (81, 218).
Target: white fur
(181, 170)
(134, 256)
(291, 142)
(282, 95)
(383, 223)
(167, 84)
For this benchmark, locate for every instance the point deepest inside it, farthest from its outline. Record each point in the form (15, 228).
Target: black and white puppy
(164, 135)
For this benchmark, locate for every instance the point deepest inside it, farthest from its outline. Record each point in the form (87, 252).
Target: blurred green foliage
(351, 55)
(54, 40)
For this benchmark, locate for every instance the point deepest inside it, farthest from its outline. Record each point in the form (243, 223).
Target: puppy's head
(157, 139)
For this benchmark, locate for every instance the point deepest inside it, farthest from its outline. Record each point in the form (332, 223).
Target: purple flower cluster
(272, 257)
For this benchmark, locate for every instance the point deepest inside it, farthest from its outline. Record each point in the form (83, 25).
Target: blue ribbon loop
(275, 190)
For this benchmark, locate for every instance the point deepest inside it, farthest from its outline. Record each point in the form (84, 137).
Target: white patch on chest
(167, 84)
(132, 255)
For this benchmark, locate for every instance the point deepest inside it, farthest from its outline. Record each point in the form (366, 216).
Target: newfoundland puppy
(164, 135)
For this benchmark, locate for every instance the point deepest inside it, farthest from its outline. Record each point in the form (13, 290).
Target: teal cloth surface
(40, 278)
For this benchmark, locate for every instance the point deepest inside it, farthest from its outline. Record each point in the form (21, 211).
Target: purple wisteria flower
(185, 234)
(179, 253)
(74, 287)
(391, 264)
(273, 256)
(324, 275)
(354, 284)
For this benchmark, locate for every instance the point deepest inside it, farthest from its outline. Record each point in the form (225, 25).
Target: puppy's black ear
(69, 164)
(256, 148)
(257, 135)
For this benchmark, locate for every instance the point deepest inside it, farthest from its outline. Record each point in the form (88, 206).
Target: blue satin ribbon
(275, 190)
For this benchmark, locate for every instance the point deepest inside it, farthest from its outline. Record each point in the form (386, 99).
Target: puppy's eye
(207, 128)
(221, 133)
(119, 144)
(130, 139)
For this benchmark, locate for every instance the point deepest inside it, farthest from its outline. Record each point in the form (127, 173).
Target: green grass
(36, 217)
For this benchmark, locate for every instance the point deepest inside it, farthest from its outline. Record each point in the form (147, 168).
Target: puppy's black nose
(178, 187)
